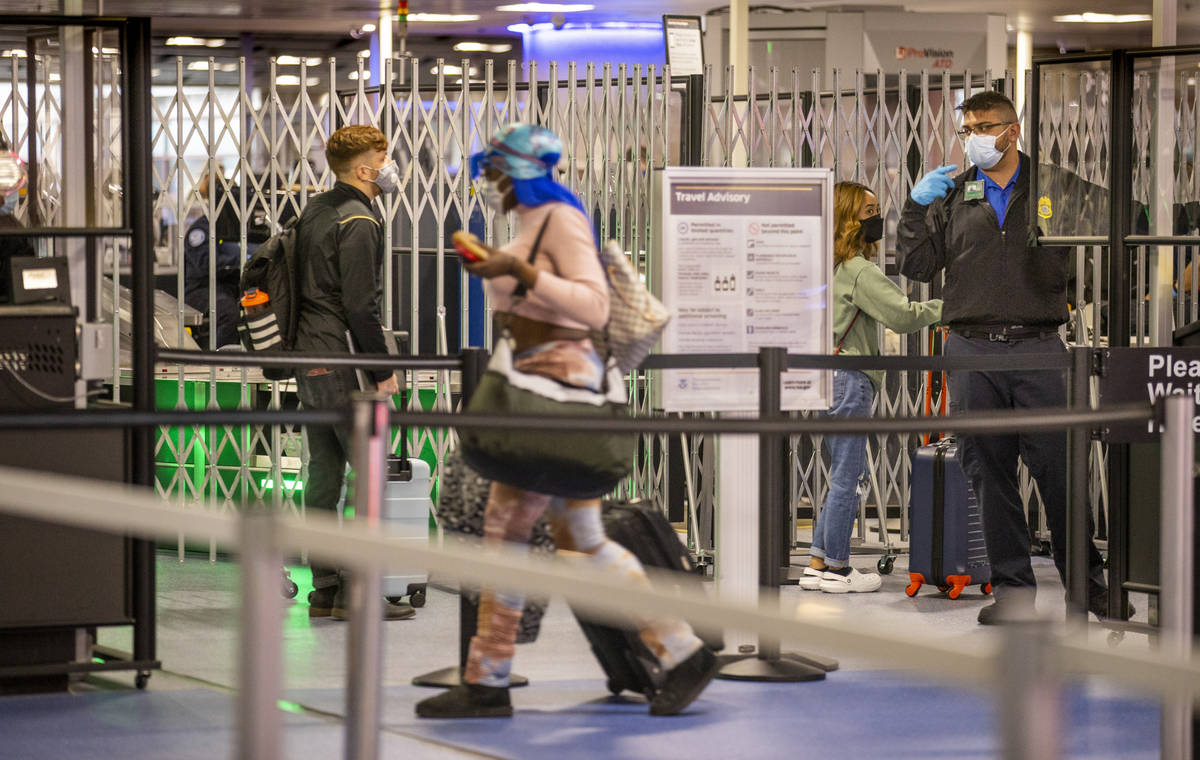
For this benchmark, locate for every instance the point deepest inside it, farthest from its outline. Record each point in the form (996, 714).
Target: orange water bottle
(260, 320)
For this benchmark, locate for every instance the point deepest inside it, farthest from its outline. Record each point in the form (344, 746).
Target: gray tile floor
(198, 611)
(198, 629)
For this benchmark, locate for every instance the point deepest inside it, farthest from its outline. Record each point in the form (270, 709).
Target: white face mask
(388, 178)
(981, 150)
(493, 196)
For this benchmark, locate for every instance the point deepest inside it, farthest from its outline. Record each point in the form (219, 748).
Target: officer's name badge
(974, 190)
(1045, 210)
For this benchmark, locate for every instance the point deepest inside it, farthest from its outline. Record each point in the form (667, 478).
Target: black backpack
(272, 270)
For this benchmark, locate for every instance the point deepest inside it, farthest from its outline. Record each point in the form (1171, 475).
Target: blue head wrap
(527, 153)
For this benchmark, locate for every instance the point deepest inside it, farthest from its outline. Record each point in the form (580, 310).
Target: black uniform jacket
(994, 276)
(339, 258)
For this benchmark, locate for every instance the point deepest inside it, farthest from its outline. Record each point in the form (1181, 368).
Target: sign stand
(770, 664)
(746, 268)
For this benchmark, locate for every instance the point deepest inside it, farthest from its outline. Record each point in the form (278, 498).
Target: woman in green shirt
(863, 297)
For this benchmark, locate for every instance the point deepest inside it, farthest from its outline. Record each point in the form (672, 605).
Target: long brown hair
(848, 201)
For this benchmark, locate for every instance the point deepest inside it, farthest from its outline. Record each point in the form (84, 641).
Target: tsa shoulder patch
(1045, 210)
(197, 237)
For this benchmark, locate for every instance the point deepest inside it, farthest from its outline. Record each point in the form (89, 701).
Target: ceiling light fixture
(186, 41)
(364, 54)
(546, 7)
(214, 43)
(526, 28)
(481, 47)
(1103, 18)
(291, 60)
(17, 52)
(368, 28)
(203, 66)
(442, 18)
(291, 80)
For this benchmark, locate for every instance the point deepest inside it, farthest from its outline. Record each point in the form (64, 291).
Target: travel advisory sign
(1132, 375)
(746, 257)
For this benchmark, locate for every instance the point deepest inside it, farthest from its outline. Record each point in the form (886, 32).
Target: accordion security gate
(618, 123)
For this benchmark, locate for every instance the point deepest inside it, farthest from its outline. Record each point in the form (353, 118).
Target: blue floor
(860, 714)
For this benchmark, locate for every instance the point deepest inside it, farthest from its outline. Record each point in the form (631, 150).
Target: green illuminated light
(291, 707)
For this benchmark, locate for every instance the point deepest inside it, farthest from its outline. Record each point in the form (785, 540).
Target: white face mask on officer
(981, 150)
(387, 178)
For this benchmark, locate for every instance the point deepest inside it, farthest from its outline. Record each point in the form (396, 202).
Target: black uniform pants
(328, 451)
(991, 460)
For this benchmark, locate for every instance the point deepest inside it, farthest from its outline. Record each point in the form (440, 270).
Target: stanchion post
(260, 658)
(771, 664)
(371, 439)
(474, 363)
(772, 362)
(1177, 564)
(1078, 531)
(1030, 694)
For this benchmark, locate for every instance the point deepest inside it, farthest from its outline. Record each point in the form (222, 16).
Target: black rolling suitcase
(627, 662)
(946, 544)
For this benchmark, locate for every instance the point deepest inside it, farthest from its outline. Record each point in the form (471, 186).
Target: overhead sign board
(684, 43)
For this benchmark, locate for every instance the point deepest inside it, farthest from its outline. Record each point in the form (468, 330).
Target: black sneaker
(1098, 602)
(685, 682)
(399, 611)
(468, 700)
(1001, 612)
(320, 602)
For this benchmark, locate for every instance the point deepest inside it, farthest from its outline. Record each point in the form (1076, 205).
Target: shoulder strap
(838, 350)
(537, 243)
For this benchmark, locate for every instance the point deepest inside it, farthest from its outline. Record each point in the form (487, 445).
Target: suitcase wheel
(884, 565)
(986, 588)
(943, 589)
(416, 594)
(958, 584)
(614, 688)
(916, 580)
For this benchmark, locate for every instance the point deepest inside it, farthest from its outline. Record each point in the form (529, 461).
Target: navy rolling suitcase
(645, 532)
(946, 544)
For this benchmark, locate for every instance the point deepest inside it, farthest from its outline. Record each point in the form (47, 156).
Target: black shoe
(400, 611)
(1098, 602)
(320, 602)
(685, 682)
(1001, 612)
(468, 700)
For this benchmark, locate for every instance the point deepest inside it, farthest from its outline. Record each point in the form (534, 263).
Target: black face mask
(872, 228)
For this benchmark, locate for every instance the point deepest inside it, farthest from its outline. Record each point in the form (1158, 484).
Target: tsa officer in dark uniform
(1002, 296)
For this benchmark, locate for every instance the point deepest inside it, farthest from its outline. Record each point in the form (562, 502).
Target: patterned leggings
(510, 516)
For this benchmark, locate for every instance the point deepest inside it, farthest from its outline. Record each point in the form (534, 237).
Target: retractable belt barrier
(264, 537)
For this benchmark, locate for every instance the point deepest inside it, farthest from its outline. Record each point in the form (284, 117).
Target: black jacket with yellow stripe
(339, 278)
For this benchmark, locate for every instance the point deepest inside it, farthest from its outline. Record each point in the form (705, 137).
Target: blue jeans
(853, 395)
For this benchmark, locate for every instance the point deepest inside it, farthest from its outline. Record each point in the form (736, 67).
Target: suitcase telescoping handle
(927, 438)
(399, 468)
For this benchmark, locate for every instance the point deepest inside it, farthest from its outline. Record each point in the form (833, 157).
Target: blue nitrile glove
(933, 185)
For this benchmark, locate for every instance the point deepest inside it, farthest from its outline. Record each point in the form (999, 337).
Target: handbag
(579, 464)
(636, 318)
(462, 501)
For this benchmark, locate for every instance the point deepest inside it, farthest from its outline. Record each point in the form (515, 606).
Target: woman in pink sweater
(550, 306)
